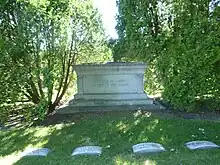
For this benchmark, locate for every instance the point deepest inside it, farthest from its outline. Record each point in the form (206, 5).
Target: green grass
(119, 131)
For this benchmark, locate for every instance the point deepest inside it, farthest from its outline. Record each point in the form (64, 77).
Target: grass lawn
(116, 133)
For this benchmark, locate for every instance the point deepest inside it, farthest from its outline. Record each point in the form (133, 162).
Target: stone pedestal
(111, 86)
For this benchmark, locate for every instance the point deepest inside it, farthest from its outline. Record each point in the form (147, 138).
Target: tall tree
(41, 41)
(179, 39)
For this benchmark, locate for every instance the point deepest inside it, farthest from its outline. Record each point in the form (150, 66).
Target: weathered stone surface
(196, 145)
(144, 148)
(108, 85)
(36, 152)
(87, 150)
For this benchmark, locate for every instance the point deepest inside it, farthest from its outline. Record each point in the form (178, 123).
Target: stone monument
(110, 86)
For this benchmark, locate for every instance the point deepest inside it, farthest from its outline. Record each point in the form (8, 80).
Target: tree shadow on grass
(15, 140)
(116, 134)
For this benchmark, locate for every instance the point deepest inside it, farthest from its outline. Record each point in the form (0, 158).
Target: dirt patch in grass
(169, 114)
(202, 114)
(161, 113)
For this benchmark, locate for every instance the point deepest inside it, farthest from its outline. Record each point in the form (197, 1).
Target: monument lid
(113, 63)
(110, 65)
(124, 63)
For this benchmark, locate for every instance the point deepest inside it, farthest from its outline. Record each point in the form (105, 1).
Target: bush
(180, 44)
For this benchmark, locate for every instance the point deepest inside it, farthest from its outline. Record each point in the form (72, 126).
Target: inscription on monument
(110, 83)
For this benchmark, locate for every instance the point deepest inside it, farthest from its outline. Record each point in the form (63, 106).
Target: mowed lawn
(116, 133)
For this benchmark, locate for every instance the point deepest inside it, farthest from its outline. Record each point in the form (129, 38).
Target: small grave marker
(194, 145)
(142, 148)
(87, 150)
(36, 152)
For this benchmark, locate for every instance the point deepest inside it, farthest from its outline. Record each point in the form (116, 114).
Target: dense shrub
(180, 40)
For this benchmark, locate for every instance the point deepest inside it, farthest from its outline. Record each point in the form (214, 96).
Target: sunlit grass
(116, 133)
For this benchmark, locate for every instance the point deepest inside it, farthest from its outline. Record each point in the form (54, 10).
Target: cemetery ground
(115, 132)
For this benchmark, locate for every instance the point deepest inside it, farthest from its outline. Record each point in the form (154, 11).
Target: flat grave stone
(36, 152)
(196, 145)
(87, 150)
(149, 147)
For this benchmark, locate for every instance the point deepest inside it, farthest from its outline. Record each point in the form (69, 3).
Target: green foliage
(41, 41)
(180, 42)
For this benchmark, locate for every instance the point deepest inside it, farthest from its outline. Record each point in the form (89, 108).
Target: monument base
(82, 105)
